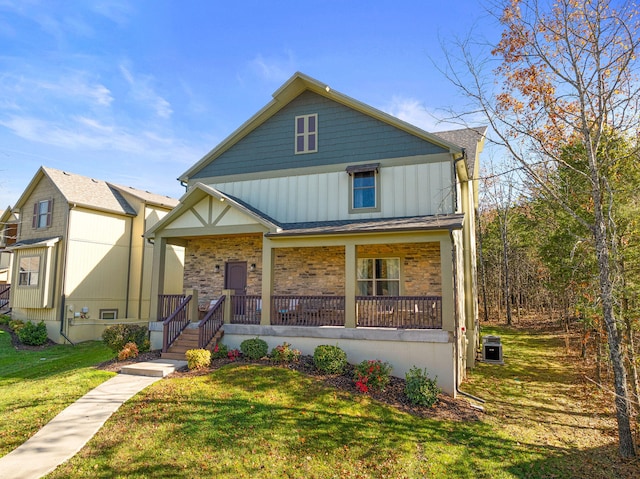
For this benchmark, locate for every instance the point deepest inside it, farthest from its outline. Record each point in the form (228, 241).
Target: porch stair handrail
(4, 297)
(175, 324)
(211, 323)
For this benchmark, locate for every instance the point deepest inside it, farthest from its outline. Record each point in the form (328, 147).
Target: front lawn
(35, 385)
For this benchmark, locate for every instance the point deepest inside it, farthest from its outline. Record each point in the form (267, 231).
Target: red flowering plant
(372, 375)
(233, 354)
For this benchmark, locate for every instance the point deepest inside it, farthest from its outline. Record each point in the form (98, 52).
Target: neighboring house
(8, 235)
(322, 220)
(80, 262)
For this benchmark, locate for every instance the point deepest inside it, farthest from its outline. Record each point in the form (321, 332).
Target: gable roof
(91, 193)
(290, 90)
(471, 139)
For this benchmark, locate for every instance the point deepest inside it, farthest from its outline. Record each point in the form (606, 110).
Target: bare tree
(565, 72)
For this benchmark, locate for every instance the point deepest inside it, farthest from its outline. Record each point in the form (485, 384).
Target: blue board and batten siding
(344, 136)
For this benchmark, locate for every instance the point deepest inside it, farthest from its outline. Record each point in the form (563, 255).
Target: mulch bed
(447, 407)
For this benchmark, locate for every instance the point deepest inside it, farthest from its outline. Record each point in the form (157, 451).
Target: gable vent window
(307, 133)
(42, 214)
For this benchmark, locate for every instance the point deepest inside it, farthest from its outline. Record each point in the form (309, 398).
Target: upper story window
(42, 214)
(307, 133)
(364, 194)
(29, 271)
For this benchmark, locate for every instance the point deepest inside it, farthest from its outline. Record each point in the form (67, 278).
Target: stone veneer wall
(420, 270)
(203, 254)
(309, 271)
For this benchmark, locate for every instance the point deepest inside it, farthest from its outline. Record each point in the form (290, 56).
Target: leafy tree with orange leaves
(567, 72)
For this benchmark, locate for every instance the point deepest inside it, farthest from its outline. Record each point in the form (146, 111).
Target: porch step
(187, 340)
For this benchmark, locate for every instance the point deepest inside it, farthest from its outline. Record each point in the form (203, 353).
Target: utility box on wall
(492, 350)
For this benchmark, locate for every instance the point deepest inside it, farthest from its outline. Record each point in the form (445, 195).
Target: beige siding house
(322, 220)
(80, 262)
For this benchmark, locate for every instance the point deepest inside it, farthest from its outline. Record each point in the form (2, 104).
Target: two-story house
(322, 220)
(80, 261)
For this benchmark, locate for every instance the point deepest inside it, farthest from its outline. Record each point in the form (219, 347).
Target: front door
(235, 278)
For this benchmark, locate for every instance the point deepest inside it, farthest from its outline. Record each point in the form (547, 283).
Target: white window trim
(305, 134)
(29, 273)
(114, 311)
(353, 170)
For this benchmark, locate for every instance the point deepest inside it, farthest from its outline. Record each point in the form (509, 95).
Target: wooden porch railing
(211, 323)
(246, 309)
(167, 304)
(5, 291)
(307, 310)
(175, 324)
(406, 312)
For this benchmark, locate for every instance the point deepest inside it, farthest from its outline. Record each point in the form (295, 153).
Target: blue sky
(137, 92)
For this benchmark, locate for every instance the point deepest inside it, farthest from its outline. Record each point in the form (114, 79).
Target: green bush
(330, 359)
(16, 325)
(255, 348)
(220, 351)
(372, 375)
(285, 353)
(198, 358)
(116, 336)
(4, 319)
(33, 334)
(420, 389)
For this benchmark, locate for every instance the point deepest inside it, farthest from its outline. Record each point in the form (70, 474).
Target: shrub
(255, 348)
(285, 353)
(233, 354)
(220, 351)
(198, 358)
(129, 351)
(116, 336)
(420, 389)
(372, 375)
(16, 325)
(330, 359)
(33, 334)
(4, 319)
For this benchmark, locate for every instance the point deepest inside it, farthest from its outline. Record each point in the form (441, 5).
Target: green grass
(36, 385)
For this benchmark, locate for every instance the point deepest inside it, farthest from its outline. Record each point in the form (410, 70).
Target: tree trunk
(626, 445)
(483, 274)
(505, 262)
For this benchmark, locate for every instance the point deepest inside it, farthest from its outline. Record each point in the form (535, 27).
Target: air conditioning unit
(492, 350)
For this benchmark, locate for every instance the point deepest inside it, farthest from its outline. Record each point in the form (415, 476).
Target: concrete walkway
(69, 431)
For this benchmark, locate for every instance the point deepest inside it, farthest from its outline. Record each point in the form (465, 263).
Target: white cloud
(274, 69)
(142, 91)
(412, 111)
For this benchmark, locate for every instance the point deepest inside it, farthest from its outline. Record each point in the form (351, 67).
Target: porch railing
(5, 290)
(406, 312)
(211, 323)
(175, 324)
(246, 309)
(307, 310)
(167, 304)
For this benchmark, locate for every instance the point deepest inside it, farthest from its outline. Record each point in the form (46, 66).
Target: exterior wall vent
(492, 350)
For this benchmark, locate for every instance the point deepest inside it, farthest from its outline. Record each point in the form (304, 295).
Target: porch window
(379, 277)
(307, 133)
(29, 271)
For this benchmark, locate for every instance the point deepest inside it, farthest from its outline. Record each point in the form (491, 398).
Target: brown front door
(235, 278)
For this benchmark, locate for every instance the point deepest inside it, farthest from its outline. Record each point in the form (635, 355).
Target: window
(108, 314)
(364, 194)
(29, 271)
(307, 134)
(42, 214)
(379, 277)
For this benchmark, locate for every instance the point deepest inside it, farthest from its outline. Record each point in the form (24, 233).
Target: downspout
(126, 304)
(456, 329)
(63, 310)
(142, 247)
(184, 184)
